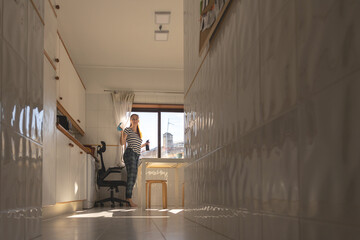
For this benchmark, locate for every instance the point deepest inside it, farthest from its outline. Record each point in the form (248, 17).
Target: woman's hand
(144, 144)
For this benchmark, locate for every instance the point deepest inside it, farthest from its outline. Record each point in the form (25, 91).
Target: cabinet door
(74, 172)
(62, 168)
(58, 67)
(82, 175)
(81, 105)
(49, 144)
(50, 32)
(65, 74)
(73, 95)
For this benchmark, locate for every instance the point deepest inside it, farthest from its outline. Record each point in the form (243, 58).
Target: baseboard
(58, 209)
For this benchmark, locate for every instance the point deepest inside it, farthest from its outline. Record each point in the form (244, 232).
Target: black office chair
(111, 184)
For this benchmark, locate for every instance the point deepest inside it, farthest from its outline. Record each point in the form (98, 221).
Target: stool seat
(164, 192)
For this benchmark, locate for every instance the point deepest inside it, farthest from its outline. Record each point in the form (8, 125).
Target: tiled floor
(125, 223)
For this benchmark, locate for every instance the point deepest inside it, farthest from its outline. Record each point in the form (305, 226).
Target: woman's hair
(138, 129)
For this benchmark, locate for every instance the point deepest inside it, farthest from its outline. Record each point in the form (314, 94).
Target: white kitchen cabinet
(82, 175)
(65, 75)
(70, 170)
(74, 172)
(63, 192)
(71, 92)
(81, 105)
(50, 33)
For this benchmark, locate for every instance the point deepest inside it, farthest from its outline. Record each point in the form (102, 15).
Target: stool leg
(146, 196)
(183, 190)
(164, 195)
(149, 199)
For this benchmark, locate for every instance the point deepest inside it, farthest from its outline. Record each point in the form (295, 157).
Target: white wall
(272, 121)
(21, 124)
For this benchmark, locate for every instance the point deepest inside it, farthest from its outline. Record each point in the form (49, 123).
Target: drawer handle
(71, 145)
(57, 78)
(78, 121)
(60, 98)
(81, 152)
(57, 60)
(57, 6)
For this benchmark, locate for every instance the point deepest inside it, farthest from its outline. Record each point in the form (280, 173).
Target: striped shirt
(133, 140)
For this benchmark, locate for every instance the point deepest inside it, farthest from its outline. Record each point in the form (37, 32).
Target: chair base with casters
(111, 184)
(112, 199)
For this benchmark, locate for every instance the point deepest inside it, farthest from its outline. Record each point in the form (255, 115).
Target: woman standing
(132, 136)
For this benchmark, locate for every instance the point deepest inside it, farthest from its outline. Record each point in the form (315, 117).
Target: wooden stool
(164, 192)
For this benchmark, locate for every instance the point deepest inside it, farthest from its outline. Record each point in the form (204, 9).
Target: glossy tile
(91, 118)
(35, 108)
(105, 102)
(270, 10)
(15, 25)
(280, 185)
(13, 171)
(248, 92)
(34, 157)
(33, 222)
(106, 118)
(246, 27)
(280, 228)
(250, 225)
(91, 101)
(35, 43)
(311, 230)
(13, 89)
(291, 154)
(12, 224)
(248, 192)
(329, 136)
(1, 18)
(328, 42)
(278, 64)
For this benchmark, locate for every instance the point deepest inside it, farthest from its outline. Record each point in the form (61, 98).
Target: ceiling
(119, 34)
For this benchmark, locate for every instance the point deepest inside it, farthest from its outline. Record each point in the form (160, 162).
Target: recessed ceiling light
(162, 17)
(161, 35)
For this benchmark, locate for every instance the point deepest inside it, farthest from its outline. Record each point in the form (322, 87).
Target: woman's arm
(123, 138)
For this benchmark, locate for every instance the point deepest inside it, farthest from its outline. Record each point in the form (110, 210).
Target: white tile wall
(21, 125)
(271, 129)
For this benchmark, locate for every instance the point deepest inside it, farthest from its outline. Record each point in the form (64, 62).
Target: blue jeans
(131, 160)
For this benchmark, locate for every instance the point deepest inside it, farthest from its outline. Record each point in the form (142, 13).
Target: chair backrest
(100, 150)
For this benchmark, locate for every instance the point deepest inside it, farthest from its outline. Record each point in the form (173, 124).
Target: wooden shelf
(73, 122)
(66, 133)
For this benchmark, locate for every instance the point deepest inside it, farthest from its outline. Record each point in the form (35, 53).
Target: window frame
(158, 108)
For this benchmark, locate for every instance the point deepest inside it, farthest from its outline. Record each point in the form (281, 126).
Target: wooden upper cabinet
(65, 75)
(50, 35)
(71, 91)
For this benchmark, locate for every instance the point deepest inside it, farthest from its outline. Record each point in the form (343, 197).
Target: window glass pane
(172, 135)
(148, 124)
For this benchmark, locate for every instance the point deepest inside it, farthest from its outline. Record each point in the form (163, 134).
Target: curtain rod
(145, 91)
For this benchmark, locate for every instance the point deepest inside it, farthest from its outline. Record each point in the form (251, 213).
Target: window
(172, 135)
(164, 128)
